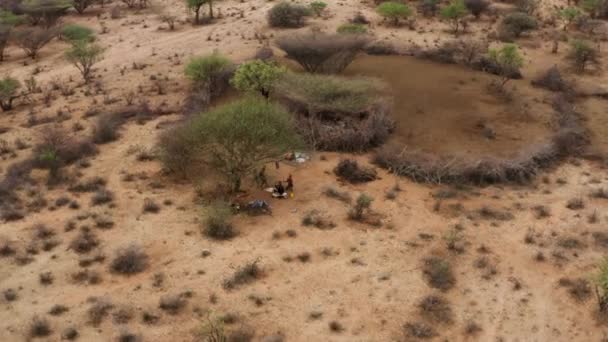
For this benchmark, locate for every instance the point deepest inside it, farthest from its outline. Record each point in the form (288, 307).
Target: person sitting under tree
(279, 190)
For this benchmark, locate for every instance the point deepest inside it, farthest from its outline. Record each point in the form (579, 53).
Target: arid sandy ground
(368, 280)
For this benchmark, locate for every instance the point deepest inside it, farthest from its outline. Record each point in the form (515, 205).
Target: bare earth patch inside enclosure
(447, 109)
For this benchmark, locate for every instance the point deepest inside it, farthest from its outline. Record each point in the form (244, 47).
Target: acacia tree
(84, 55)
(508, 61)
(394, 11)
(454, 13)
(81, 5)
(195, 6)
(256, 76)
(8, 92)
(7, 21)
(582, 53)
(569, 15)
(237, 138)
(32, 39)
(45, 12)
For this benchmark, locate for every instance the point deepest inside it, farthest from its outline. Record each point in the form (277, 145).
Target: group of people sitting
(281, 191)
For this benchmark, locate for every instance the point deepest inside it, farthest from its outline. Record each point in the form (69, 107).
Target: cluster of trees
(36, 25)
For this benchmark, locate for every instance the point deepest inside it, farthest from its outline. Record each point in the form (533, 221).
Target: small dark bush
(285, 14)
(476, 7)
(488, 213)
(84, 242)
(10, 295)
(130, 260)
(361, 207)
(149, 318)
(70, 334)
(438, 273)
(106, 128)
(6, 248)
(579, 288)
(98, 311)
(336, 326)
(575, 204)
(102, 196)
(243, 275)
(90, 185)
(150, 206)
(350, 171)
(419, 330)
(317, 219)
(58, 310)
(127, 336)
(39, 327)
(46, 278)
(343, 196)
(86, 276)
(172, 304)
(601, 239)
(436, 309)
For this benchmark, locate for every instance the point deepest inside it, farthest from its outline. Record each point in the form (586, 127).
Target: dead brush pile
(337, 113)
(570, 138)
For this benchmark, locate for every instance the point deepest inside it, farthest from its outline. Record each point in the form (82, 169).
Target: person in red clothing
(289, 182)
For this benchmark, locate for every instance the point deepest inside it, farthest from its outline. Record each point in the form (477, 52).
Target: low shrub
(514, 24)
(361, 207)
(106, 128)
(317, 219)
(343, 196)
(172, 303)
(285, 14)
(99, 310)
(317, 7)
(428, 8)
(350, 171)
(39, 327)
(74, 33)
(101, 197)
(438, 273)
(129, 260)
(320, 52)
(243, 275)
(419, 330)
(477, 7)
(352, 28)
(436, 309)
(217, 221)
(84, 242)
